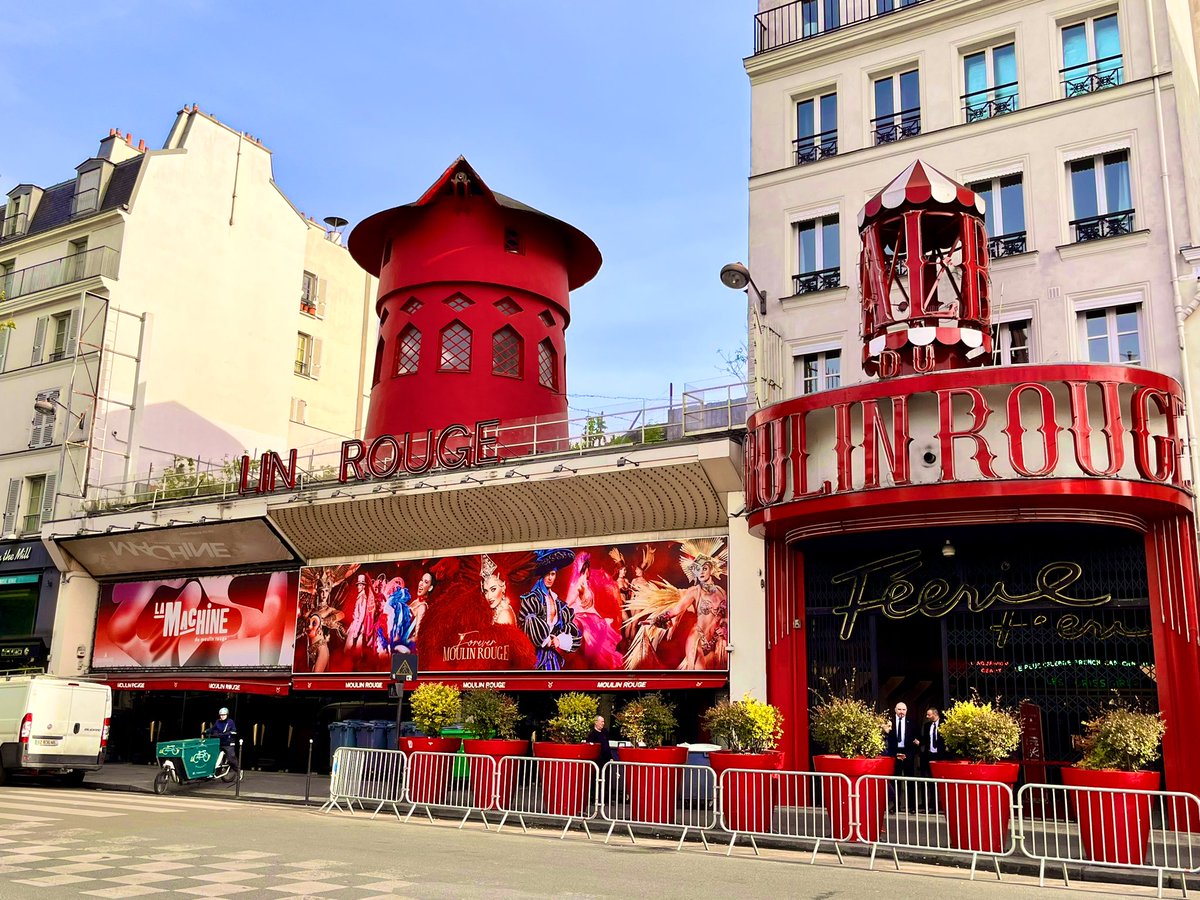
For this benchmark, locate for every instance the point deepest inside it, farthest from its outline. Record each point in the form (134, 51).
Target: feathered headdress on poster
(697, 552)
(487, 568)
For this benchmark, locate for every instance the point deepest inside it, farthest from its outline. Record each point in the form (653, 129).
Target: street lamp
(737, 276)
(45, 406)
(765, 343)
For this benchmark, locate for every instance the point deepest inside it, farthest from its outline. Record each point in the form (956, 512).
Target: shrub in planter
(566, 783)
(649, 722)
(852, 731)
(750, 729)
(984, 734)
(492, 716)
(434, 708)
(1118, 745)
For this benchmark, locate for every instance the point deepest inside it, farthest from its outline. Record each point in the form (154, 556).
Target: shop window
(408, 351)
(456, 348)
(19, 604)
(506, 353)
(547, 365)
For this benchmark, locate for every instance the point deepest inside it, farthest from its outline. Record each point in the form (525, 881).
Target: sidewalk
(278, 787)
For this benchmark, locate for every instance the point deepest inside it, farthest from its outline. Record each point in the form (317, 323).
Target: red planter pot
(872, 797)
(977, 814)
(748, 798)
(653, 791)
(482, 774)
(429, 776)
(1114, 825)
(566, 788)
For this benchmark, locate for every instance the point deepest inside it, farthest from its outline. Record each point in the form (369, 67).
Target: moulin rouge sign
(1069, 421)
(387, 456)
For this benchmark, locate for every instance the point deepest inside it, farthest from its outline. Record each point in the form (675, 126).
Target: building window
(308, 294)
(304, 354)
(819, 371)
(990, 77)
(1005, 215)
(61, 326)
(456, 348)
(547, 318)
(819, 16)
(897, 107)
(408, 351)
(387, 252)
(1111, 335)
(377, 369)
(506, 353)
(16, 217)
(458, 302)
(512, 241)
(41, 433)
(76, 262)
(299, 410)
(1011, 343)
(411, 305)
(1091, 54)
(819, 255)
(87, 192)
(816, 128)
(547, 365)
(1101, 197)
(507, 306)
(35, 499)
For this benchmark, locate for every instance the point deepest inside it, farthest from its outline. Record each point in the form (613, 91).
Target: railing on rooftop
(99, 261)
(705, 410)
(804, 19)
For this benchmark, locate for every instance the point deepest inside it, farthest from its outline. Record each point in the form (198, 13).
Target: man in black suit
(932, 748)
(903, 740)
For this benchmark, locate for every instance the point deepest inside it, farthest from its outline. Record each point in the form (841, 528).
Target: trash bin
(462, 767)
(379, 734)
(702, 788)
(339, 736)
(357, 733)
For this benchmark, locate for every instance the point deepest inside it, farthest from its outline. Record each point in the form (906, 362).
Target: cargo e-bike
(190, 762)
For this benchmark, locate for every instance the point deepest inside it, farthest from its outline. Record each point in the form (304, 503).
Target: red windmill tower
(473, 305)
(924, 274)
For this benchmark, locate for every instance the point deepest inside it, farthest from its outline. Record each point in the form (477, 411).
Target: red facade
(473, 304)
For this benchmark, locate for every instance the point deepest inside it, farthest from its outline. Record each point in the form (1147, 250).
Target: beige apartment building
(1077, 122)
(167, 303)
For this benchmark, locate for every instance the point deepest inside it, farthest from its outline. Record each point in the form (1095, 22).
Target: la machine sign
(1019, 422)
(387, 456)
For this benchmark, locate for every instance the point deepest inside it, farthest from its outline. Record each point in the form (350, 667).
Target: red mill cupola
(473, 306)
(924, 276)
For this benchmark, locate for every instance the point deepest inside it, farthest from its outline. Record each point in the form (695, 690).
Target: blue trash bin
(379, 734)
(339, 736)
(700, 789)
(389, 741)
(356, 733)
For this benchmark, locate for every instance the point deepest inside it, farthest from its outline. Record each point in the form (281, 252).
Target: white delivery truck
(52, 726)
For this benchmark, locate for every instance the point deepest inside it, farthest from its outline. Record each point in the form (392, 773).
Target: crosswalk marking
(175, 803)
(66, 811)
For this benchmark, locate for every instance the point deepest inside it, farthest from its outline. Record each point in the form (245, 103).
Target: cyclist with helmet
(225, 730)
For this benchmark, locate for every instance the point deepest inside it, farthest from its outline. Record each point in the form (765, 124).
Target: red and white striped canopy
(921, 186)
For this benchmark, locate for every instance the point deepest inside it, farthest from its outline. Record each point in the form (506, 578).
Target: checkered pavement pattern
(44, 843)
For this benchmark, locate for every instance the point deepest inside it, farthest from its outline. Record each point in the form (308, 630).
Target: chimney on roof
(117, 147)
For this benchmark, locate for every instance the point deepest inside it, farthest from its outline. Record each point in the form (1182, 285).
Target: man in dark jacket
(599, 735)
(225, 730)
(932, 748)
(903, 740)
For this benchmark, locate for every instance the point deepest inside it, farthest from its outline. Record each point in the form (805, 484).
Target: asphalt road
(86, 843)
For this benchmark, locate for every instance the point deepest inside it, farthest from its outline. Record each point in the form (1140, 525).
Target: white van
(52, 726)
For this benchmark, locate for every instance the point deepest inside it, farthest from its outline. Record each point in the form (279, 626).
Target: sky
(628, 119)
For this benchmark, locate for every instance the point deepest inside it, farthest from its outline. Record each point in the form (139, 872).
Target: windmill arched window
(456, 348)
(408, 351)
(547, 365)
(506, 353)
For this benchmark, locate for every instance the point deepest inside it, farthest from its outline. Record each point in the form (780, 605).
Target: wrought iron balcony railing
(897, 126)
(1007, 245)
(791, 23)
(1093, 228)
(13, 226)
(990, 102)
(816, 146)
(1089, 77)
(821, 280)
(99, 261)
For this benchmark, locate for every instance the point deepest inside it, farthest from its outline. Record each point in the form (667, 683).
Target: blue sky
(628, 119)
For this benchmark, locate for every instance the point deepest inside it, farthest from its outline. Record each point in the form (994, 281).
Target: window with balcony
(506, 353)
(1005, 216)
(75, 266)
(1012, 342)
(1091, 55)
(61, 328)
(308, 355)
(1111, 335)
(408, 351)
(87, 192)
(897, 107)
(16, 217)
(1101, 197)
(456, 348)
(308, 293)
(818, 245)
(990, 77)
(816, 128)
(547, 365)
(6, 279)
(819, 371)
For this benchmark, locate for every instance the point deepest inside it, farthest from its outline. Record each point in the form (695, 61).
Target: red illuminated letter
(1166, 449)
(1049, 429)
(352, 461)
(896, 449)
(1081, 428)
(983, 455)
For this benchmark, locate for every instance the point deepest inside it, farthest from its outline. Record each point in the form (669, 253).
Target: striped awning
(921, 186)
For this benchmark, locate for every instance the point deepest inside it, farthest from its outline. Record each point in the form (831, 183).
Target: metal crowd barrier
(940, 814)
(653, 794)
(1124, 829)
(463, 782)
(549, 789)
(785, 804)
(363, 776)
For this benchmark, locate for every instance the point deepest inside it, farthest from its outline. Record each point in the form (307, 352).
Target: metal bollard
(237, 783)
(308, 775)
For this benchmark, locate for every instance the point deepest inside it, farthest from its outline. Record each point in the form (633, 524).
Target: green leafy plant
(648, 721)
(576, 713)
(490, 713)
(1122, 738)
(980, 732)
(436, 707)
(746, 725)
(847, 726)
